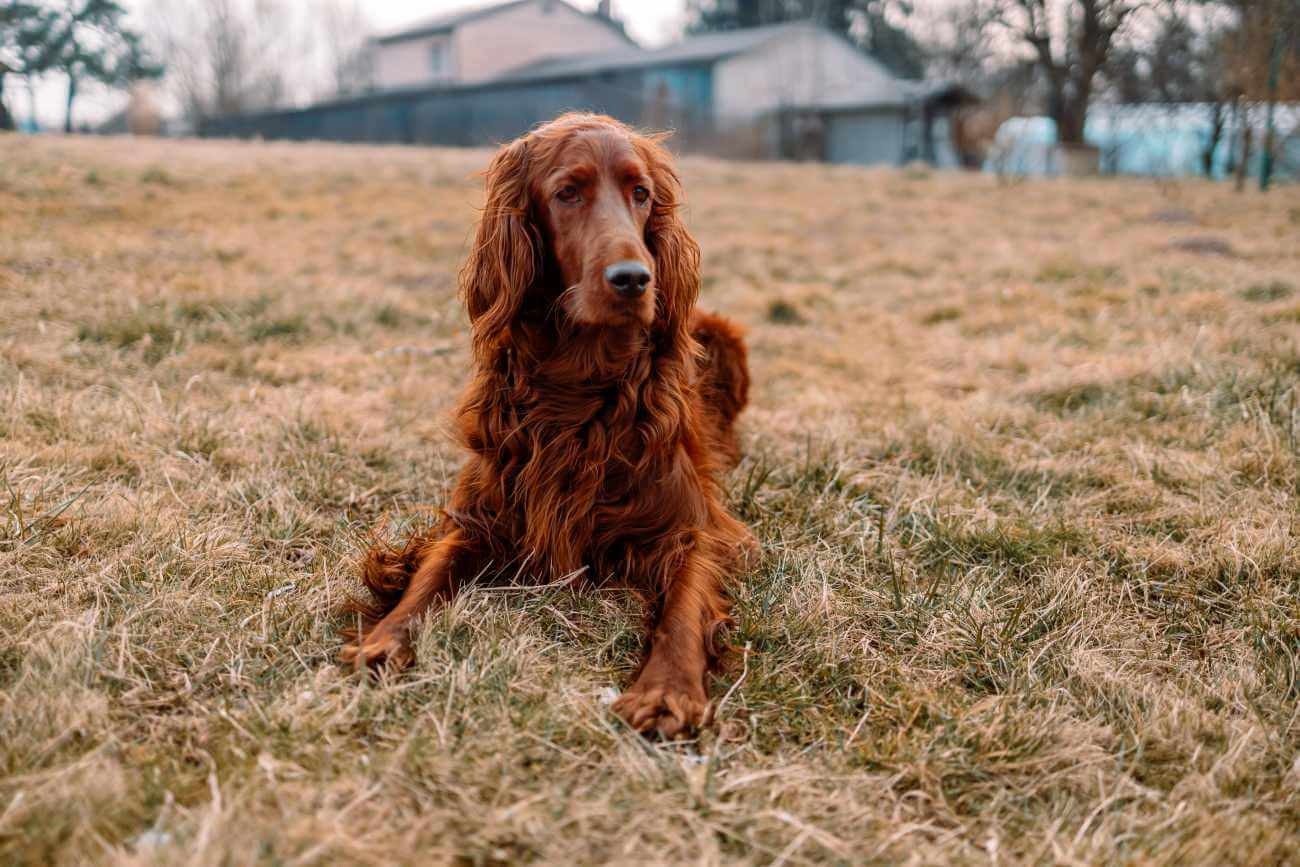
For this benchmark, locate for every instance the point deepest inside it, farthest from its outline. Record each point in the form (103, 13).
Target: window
(438, 59)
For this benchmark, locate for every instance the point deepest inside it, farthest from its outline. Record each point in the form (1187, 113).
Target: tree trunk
(72, 96)
(1234, 139)
(1216, 134)
(1058, 106)
(1086, 35)
(1067, 111)
(1078, 159)
(1242, 167)
(1069, 126)
(6, 119)
(1270, 142)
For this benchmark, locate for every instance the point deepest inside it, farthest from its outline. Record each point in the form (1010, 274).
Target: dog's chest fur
(594, 472)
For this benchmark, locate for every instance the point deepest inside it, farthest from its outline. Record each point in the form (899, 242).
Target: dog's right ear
(506, 254)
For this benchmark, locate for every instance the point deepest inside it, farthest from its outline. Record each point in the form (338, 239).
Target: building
(479, 44)
(787, 91)
(917, 125)
(794, 91)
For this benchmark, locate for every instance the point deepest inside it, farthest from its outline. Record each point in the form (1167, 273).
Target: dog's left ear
(504, 260)
(676, 255)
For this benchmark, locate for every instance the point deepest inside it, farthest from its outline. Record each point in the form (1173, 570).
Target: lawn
(1023, 459)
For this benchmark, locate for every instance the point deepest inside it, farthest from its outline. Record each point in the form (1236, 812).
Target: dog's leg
(448, 563)
(669, 695)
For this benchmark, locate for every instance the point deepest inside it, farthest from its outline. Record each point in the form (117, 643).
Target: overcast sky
(650, 22)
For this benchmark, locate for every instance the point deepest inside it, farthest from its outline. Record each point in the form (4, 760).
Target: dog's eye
(640, 195)
(568, 195)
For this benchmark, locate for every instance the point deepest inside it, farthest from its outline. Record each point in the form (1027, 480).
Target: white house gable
(801, 66)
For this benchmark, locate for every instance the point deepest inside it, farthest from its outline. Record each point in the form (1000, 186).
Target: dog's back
(723, 379)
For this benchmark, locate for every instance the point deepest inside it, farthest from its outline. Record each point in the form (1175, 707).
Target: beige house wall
(410, 62)
(489, 46)
(486, 47)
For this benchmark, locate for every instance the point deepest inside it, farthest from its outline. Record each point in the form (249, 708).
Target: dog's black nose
(628, 278)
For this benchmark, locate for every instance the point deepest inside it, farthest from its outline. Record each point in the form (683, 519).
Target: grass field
(1023, 459)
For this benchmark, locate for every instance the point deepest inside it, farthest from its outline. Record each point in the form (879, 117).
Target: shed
(872, 126)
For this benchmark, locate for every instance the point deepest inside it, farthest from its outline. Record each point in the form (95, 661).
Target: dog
(599, 417)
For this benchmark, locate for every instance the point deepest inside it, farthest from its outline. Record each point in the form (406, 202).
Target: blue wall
(674, 97)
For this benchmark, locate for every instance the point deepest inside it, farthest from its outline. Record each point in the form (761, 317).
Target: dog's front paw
(672, 708)
(380, 648)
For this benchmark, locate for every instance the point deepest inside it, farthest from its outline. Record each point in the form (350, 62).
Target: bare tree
(1264, 46)
(957, 44)
(1230, 55)
(1181, 61)
(231, 56)
(1275, 24)
(1072, 41)
(344, 44)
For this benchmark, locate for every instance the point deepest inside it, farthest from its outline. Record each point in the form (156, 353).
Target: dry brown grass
(1023, 460)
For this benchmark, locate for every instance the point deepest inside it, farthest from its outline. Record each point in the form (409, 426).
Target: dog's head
(582, 220)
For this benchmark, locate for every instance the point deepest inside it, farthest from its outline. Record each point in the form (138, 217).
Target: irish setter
(599, 415)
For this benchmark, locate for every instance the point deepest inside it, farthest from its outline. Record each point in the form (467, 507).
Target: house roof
(697, 49)
(882, 90)
(449, 21)
(897, 92)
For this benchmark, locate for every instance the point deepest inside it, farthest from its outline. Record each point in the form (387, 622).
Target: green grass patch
(783, 312)
(1263, 293)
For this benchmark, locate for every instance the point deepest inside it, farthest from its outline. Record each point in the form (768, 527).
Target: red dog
(600, 412)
